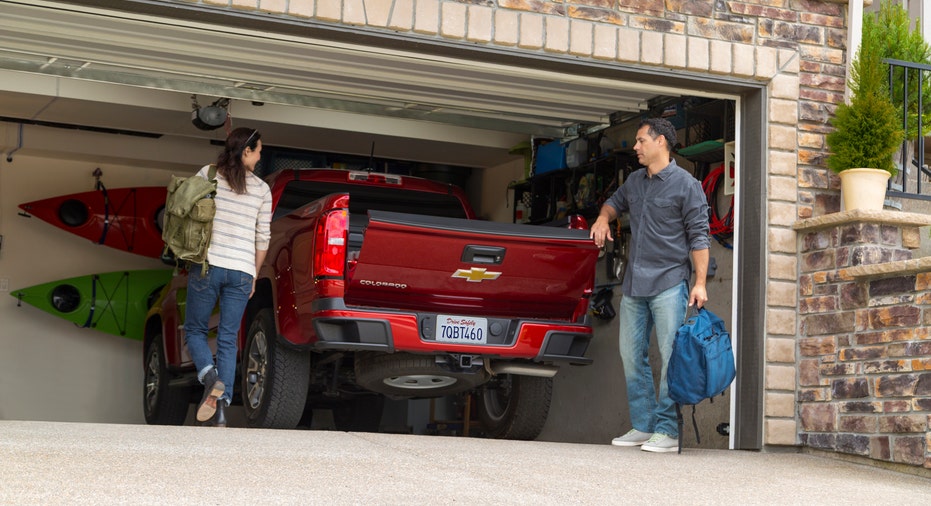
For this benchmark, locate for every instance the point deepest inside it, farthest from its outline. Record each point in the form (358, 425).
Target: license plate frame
(461, 329)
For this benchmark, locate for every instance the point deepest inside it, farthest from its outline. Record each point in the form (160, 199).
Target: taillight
(330, 245)
(578, 222)
(581, 308)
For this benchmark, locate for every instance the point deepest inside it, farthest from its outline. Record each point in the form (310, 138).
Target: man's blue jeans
(638, 315)
(232, 288)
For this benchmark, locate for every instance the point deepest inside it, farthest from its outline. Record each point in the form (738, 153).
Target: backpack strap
(694, 426)
(679, 424)
(212, 177)
(689, 311)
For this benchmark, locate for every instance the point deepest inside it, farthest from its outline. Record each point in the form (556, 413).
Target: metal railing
(907, 83)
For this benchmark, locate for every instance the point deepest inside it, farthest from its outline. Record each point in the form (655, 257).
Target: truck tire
(407, 375)
(274, 378)
(515, 407)
(161, 404)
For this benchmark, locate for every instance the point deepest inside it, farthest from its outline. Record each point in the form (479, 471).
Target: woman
(241, 232)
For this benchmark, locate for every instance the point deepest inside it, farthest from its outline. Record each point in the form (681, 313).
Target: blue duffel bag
(702, 363)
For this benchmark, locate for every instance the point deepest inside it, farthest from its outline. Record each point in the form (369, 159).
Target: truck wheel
(515, 407)
(274, 378)
(161, 404)
(406, 375)
(361, 414)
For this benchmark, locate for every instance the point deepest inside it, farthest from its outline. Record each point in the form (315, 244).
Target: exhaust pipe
(543, 371)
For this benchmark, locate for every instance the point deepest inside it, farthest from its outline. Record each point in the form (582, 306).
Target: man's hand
(698, 297)
(600, 231)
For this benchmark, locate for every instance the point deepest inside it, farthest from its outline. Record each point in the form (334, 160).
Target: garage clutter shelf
(549, 198)
(576, 177)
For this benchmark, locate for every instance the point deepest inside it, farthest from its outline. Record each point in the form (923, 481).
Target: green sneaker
(633, 438)
(660, 443)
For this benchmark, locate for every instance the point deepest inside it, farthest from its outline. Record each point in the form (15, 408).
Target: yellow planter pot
(863, 189)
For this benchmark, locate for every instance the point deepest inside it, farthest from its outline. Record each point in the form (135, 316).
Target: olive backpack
(188, 219)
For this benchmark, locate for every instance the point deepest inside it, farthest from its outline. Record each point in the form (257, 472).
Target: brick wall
(864, 341)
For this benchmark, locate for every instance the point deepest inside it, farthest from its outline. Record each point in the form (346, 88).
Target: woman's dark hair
(660, 126)
(229, 163)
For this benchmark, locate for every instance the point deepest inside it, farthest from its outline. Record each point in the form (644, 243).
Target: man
(668, 237)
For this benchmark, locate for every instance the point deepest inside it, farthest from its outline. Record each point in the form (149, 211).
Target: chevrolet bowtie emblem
(475, 274)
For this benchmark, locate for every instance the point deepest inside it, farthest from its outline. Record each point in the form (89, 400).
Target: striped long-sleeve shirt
(242, 224)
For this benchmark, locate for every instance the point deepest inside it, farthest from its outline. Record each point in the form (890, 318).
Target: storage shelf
(554, 195)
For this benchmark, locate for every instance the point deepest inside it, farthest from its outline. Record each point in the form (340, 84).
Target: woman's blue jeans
(232, 289)
(638, 315)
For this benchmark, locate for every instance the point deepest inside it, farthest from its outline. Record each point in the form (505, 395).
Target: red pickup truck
(379, 285)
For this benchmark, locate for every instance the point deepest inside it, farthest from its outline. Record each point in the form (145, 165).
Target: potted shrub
(867, 130)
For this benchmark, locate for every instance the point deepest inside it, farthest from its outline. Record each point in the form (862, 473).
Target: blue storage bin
(550, 156)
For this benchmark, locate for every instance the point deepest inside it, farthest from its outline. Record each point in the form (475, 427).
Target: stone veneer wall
(865, 337)
(796, 47)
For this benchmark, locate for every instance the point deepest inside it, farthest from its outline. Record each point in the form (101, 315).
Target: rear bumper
(540, 341)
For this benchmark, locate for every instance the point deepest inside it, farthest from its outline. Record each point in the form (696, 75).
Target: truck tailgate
(471, 267)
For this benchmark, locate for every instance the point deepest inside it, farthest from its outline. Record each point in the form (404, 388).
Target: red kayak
(127, 219)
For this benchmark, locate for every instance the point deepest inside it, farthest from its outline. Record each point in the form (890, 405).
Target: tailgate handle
(483, 254)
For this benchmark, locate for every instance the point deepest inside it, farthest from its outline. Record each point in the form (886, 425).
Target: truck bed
(472, 267)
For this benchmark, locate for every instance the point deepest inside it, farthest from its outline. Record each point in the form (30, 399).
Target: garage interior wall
(54, 370)
(745, 70)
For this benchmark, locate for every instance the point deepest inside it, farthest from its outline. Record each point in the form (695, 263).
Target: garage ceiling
(107, 69)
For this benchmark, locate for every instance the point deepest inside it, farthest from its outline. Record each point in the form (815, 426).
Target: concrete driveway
(78, 463)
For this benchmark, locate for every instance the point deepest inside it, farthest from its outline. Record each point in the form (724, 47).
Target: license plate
(461, 329)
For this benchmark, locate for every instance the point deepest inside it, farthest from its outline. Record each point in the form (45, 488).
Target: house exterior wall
(865, 337)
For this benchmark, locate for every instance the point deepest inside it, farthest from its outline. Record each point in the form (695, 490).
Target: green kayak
(113, 302)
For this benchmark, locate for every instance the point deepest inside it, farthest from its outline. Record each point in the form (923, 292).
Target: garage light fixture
(211, 117)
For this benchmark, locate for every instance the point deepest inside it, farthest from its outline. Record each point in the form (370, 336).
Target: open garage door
(137, 73)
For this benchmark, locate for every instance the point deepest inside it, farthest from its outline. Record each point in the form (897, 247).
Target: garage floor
(76, 463)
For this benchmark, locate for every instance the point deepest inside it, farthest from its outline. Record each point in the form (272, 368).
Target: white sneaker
(633, 438)
(660, 443)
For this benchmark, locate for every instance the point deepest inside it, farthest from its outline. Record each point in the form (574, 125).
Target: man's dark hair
(660, 126)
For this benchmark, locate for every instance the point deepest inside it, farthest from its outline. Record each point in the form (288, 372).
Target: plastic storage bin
(550, 156)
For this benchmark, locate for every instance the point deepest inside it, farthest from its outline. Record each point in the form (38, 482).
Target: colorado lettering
(387, 284)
